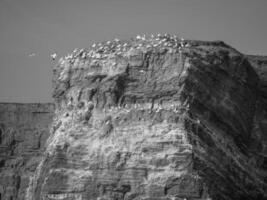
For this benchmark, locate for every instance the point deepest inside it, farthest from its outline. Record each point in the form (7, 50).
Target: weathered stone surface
(24, 129)
(154, 119)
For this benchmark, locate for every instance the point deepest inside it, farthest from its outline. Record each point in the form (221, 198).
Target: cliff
(259, 63)
(24, 129)
(156, 118)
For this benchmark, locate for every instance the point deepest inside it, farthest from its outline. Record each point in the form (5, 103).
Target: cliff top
(152, 43)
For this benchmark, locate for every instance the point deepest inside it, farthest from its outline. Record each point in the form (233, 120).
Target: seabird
(83, 55)
(182, 42)
(32, 54)
(144, 37)
(187, 45)
(138, 37)
(53, 56)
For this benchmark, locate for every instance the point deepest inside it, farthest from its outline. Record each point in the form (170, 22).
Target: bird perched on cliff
(138, 37)
(187, 45)
(75, 51)
(53, 56)
(182, 43)
(83, 56)
(144, 37)
(69, 56)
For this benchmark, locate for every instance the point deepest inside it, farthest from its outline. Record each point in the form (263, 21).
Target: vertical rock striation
(154, 118)
(24, 129)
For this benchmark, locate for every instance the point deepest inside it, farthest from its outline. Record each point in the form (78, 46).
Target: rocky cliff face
(155, 118)
(24, 129)
(260, 65)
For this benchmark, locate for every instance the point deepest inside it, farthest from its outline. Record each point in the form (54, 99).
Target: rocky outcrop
(259, 63)
(24, 129)
(155, 118)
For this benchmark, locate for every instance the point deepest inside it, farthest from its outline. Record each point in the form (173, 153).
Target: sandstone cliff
(155, 118)
(24, 129)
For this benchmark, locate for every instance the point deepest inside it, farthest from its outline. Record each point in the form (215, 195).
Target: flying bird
(32, 55)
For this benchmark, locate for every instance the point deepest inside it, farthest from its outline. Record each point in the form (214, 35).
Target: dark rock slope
(155, 118)
(260, 65)
(24, 129)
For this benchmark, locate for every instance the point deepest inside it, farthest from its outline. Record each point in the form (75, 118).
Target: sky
(31, 30)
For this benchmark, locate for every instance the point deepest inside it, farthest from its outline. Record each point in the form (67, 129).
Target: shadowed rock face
(141, 119)
(24, 129)
(259, 63)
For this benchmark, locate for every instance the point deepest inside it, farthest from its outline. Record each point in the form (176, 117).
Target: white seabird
(144, 37)
(138, 37)
(187, 45)
(53, 56)
(32, 54)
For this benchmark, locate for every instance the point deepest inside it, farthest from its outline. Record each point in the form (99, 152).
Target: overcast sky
(44, 26)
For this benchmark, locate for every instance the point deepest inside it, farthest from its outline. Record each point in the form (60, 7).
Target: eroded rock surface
(24, 129)
(154, 118)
